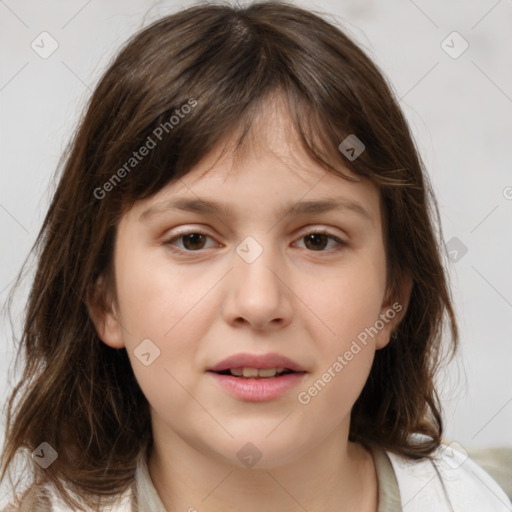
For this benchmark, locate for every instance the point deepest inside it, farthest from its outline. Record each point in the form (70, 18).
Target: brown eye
(318, 241)
(192, 241)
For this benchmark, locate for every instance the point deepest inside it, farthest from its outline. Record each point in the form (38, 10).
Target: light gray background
(460, 111)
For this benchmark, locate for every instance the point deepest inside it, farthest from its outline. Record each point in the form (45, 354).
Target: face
(304, 290)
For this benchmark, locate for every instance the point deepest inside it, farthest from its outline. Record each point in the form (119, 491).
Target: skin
(305, 301)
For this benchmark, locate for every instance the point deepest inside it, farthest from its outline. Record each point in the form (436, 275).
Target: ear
(394, 307)
(103, 314)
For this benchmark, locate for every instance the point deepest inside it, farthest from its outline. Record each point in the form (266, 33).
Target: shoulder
(451, 479)
(45, 498)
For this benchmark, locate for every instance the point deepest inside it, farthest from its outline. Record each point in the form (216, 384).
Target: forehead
(269, 167)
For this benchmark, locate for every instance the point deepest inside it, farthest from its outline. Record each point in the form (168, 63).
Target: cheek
(348, 305)
(169, 381)
(160, 304)
(155, 296)
(344, 359)
(349, 301)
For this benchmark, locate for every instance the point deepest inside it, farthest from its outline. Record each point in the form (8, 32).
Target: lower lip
(258, 390)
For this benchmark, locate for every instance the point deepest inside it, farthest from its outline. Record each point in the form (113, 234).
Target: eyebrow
(196, 205)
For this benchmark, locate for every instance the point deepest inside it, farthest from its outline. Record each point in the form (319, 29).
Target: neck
(335, 475)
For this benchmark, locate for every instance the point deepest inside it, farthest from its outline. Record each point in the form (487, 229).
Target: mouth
(247, 365)
(257, 385)
(256, 373)
(257, 378)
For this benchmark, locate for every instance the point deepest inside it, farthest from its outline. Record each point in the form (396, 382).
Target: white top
(451, 482)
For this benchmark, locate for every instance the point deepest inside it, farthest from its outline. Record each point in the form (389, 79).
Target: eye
(319, 239)
(193, 241)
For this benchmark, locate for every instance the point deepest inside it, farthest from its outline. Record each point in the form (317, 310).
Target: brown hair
(81, 396)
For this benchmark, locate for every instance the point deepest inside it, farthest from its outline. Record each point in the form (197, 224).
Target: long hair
(79, 395)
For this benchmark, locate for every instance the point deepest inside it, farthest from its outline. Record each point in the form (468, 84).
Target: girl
(239, 299)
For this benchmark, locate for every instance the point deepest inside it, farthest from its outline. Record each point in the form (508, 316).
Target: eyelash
(169, 242)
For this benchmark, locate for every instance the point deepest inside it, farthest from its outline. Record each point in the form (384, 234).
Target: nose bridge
(256, 263)
(257, 293)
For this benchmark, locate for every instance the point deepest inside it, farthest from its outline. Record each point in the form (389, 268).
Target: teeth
(268, 372)
(255, 372)
(250, 372)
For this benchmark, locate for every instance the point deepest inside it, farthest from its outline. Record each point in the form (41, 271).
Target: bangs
(202, 96)
(177, 153)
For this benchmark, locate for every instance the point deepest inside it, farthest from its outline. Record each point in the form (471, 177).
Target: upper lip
(263, 361)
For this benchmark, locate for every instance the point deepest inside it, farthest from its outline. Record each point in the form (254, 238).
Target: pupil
(316, 238)
(194, 238)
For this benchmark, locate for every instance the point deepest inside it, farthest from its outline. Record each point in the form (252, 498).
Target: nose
(258, 294)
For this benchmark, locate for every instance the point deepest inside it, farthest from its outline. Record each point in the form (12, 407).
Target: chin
(259, 452)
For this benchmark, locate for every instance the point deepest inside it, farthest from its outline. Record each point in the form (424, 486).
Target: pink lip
(265, 361)
(258, 389)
